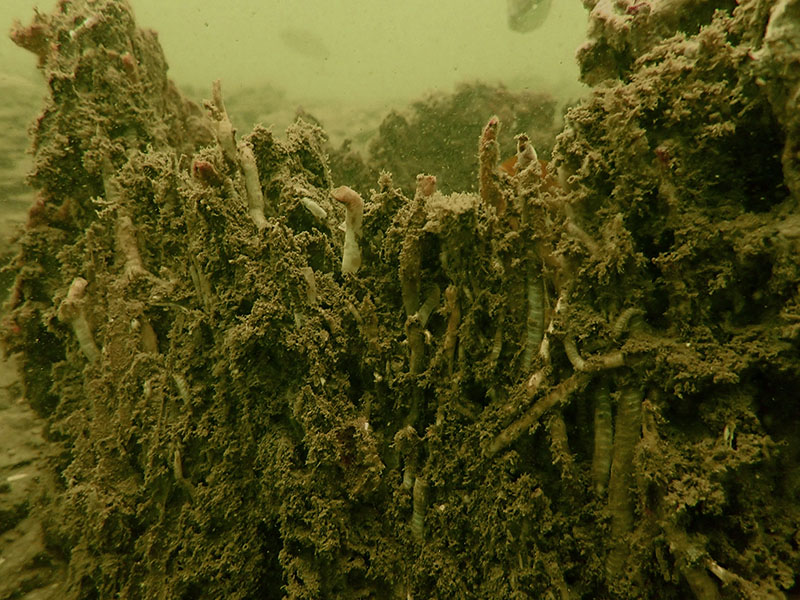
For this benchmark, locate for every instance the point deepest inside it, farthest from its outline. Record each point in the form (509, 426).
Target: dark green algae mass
(578, 385)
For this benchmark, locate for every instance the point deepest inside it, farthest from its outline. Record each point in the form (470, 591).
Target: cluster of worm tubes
(571, 384)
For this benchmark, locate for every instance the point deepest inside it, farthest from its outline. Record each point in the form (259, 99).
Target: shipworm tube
(354, 214)
(453, 308)
(410, 265)
(559, 443)
(224, 129)
(126, 240)
(627, 432)
(177, 469)
(559, 393)
(621, 324)
(497, 344)
(71, 311)
(426, 185)
(430, 304)
(535, 323)
(582, 236)
(488, 157)
(420, 502)
(416, 345)
(612, 360)
(572, 354)
(311, 285)
(686, 556)
(603, 438)
(255, 198)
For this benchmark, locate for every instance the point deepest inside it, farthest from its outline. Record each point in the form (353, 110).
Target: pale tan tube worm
(623, 320)
(603, 438)
(551, 567)
(526, 154)
(407, 443)
(488, 157)
(415, 322)
(430, 304)
(411, 259)
(601, 362)
(559, 444)
(354, 214)
(148, 340)
(223, 128)
(128, 247)
(311, 285)
(534, 328)
(177, 470)
(252, 184)
(201, 284)
(611, 360)
(572, 354)
(627, 431)
(497, 343)
(112, 187)
(71, 311)
(420, 504)
(686, 554)
(453, 308)
(416, 345)
(426, 186)
(580, 235)
(557, 394)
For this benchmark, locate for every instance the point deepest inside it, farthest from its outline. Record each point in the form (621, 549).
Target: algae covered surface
(572, 378)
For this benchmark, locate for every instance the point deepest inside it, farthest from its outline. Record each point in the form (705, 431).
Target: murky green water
(354, 51)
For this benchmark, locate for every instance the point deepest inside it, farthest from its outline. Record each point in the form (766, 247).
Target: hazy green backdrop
(352, 50)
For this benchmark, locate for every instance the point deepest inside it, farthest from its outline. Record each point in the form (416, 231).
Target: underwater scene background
(489, 333)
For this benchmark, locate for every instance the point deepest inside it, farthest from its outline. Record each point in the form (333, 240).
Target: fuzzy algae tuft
(251, 404)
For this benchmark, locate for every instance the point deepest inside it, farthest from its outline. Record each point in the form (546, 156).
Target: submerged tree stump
(238, 418)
